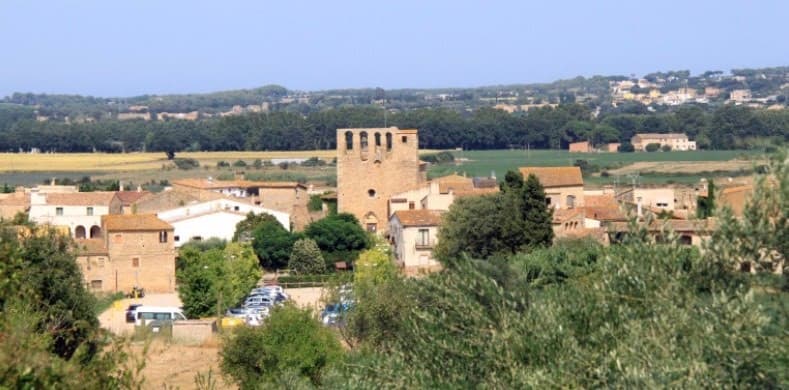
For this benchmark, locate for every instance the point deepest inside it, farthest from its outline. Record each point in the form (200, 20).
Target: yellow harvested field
(49, 162)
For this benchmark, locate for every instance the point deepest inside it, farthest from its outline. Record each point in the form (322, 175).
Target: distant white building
(213, 219)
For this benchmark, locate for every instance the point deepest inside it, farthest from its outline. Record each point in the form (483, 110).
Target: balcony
(424, 245)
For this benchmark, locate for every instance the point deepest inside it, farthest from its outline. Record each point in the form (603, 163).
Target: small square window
(136, 262)
(176, 238)
(405, 139)
(59, 211)
(90, 211)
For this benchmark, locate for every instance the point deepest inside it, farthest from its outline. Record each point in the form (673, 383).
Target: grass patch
(104, 301)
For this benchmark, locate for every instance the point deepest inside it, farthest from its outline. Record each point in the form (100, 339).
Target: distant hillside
(771, 85)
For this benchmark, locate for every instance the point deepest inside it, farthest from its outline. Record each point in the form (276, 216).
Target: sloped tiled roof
(166, 200)
(476, 192)
(562, 215)
(15, 199)
(135, 222)
(98, 198)
(600, 201)
(604, 213)
(555, 176)
(129, 197)
(418, 217)
(205, 184)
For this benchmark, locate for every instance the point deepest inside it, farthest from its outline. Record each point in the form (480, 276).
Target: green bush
(291, 346)
(186, 163)
(306, 258)
(315, 203)
(652, 147)
(240, 164)
(665, 148)
(626, 147)
(222, 164)
(438, 158)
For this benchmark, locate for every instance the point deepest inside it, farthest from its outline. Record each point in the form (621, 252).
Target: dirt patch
(171, 366)
(308, 297)
(683, 167)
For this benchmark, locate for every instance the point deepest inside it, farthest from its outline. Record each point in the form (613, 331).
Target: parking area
(114, 318)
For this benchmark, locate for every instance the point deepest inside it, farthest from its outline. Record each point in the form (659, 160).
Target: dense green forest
(727, 127)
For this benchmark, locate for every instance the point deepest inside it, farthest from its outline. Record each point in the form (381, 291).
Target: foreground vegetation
(640, 314)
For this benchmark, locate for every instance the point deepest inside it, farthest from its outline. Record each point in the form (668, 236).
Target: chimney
(120, 185)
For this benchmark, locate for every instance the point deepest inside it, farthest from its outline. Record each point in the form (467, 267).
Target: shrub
(222, 164)
(313, 162)
(666, 148)
(284, 165)
(258, 163)
(626, 147)
(306, 258)
(186, 163)
(438, 158)
(315, 203)
(652, 147)
(240, 164)
(290, 345)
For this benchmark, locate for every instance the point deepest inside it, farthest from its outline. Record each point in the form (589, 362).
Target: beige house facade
(564, 186)
(80, 212)
(134, 250)
(414, 234)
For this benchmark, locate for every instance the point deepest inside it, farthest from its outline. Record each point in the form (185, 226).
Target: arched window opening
(377, 139)
(348, 140)
(363, 139)
(388, 141)
(79, 232)
(570, 201)
(95, 231)
(371, 193)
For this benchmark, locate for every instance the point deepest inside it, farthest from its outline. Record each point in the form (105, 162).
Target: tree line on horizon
(727, 127)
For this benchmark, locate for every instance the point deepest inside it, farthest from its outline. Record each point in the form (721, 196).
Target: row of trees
(640, 314)
(728, 127)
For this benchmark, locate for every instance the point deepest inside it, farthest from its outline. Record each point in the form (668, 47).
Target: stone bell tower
(372, 165)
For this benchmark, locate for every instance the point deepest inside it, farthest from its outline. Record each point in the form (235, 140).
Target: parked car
(236, 312)
(131, 312)
(333, 313)
(147, 314)
(270, 291)
(258, 300)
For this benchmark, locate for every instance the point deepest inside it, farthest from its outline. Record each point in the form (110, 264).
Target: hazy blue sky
(131, 47)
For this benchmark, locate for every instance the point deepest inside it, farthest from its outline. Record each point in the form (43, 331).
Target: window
(79, 232)
(348, 140)
(548, 201)
(59, 211)
(411, 205)
(236, 208)
(404, 139)
(135, 262)
(377, 139)
(423, 237)
(95, 284)
(197, 238)
(371, 193)
(388, 141)
(662, 204)
(570, 201)
(95, 231)
(176, 238)
(363, 140)
(372, 227)
(90, 211)
(163, 236)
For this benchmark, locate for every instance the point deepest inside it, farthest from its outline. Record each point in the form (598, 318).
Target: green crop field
(655, 167)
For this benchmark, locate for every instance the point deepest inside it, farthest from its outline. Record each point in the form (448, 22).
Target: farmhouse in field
(132, 250)
(676, 141)
(580, 147)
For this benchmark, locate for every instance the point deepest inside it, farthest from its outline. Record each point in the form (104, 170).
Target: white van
(148, 314)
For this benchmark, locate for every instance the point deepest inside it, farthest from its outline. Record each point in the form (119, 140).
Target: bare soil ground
(171, 365)
(683, 166)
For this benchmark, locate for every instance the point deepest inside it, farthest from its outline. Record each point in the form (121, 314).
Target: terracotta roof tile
(205, 184)
(661, 136)
(129, 197)
(15, 199)
(98, 198)
(136, 222)
(418, 217)
(555, 176)
(600, 201)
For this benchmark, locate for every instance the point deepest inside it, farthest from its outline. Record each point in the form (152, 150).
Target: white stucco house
(79, 211)
(213, 219)
(414, 234)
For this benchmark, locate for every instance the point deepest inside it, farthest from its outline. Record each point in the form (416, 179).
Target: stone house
(134, 250)
(564, 186)
(440, 193)
(581, 147)
(288, 197)
(414, 234)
